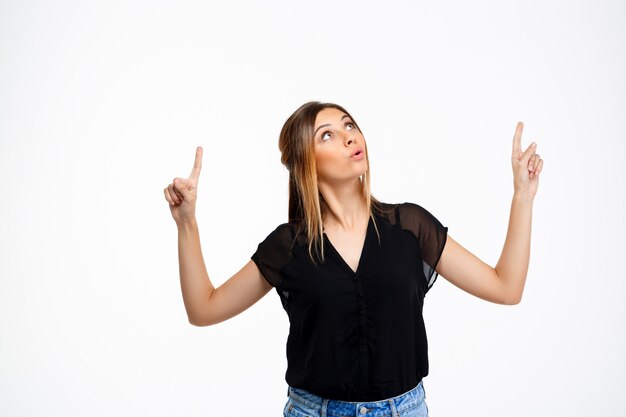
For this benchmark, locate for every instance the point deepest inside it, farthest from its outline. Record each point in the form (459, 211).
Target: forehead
(328, 115)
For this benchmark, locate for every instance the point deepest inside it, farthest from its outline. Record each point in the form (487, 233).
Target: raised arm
(505, 283)
(205, 304)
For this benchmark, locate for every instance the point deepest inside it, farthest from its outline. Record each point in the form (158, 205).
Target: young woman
(351, 271)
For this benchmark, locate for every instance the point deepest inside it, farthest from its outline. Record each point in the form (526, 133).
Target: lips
(356, 152)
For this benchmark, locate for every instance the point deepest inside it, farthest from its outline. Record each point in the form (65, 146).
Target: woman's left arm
(503, 284)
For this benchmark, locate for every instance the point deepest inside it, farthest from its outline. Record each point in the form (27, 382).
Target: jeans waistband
(327, 407)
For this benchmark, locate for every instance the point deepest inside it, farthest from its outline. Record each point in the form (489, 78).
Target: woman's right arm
(205, 304)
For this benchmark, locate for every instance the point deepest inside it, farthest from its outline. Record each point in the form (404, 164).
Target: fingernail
(533, 144)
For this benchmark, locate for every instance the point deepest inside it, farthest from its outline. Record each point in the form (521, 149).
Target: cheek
(324, 159)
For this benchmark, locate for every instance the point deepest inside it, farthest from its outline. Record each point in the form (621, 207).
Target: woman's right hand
(181, 194)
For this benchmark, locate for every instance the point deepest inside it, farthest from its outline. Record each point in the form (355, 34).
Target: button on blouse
(357, 335)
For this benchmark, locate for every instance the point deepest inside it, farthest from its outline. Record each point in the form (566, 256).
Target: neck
(346, 208)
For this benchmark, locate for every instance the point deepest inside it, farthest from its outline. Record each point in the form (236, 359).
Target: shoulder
(410, 207)
(387, 211)
(416, 218)
(282, 232)
(414, 211)
(406, 207)
(281, 229)
(281, 239)
(396, 212)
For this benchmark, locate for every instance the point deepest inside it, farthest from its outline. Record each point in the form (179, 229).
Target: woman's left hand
(526, 165)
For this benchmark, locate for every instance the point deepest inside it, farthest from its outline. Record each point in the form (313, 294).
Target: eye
(327, 132)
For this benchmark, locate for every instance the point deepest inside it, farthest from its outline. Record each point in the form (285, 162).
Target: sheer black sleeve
(273, 253)
(430, 234)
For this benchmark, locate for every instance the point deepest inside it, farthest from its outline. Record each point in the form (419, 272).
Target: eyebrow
(328, 124)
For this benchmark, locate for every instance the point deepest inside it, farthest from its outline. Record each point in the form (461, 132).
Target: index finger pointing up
(517, 140)
(197, 165)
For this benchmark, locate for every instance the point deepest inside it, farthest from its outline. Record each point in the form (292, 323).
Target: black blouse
(357, 336)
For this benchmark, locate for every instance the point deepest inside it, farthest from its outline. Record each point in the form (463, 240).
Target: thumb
(181, 187)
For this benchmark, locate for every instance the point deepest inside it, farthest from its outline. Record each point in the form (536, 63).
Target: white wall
(102, 104)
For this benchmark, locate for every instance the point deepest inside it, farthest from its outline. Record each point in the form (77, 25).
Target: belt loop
(324, 407)
(392, 406)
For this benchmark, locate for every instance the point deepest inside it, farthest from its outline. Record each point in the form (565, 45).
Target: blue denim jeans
(301, 403)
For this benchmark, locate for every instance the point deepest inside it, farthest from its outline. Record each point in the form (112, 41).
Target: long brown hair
(307, 208)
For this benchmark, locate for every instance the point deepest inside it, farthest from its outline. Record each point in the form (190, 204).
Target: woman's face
(336, 139)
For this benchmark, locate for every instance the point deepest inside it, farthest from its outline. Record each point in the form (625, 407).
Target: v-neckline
(338, 256)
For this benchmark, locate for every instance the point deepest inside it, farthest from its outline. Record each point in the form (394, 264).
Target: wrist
(187, 225)
(525, 197)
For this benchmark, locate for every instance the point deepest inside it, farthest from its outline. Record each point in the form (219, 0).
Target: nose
(350, 138)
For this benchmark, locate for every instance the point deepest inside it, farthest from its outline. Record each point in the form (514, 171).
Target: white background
(102, 104)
